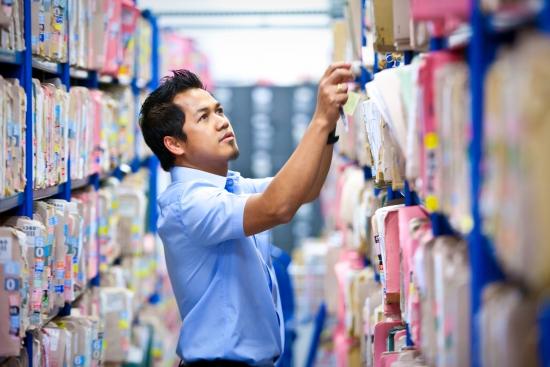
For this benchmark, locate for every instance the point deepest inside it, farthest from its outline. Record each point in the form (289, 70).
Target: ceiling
(216, 14)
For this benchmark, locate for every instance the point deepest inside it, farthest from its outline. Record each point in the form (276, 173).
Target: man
(212, 221)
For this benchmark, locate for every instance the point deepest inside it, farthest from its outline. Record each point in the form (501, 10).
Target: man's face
(210, 137)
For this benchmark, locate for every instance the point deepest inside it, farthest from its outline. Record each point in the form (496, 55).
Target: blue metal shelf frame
(22, 65)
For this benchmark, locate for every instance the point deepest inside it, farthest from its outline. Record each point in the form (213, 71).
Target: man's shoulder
(187, 192)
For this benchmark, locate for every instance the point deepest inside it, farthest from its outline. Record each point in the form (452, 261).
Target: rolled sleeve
(212, 215)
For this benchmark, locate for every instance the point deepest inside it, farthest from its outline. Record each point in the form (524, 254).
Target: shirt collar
(181, 174)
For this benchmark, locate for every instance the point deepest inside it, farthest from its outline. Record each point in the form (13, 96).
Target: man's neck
(215, 170)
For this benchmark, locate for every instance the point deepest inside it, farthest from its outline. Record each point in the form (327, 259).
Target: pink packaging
(95, 161)
(429, 148)
(408, 245)
(113, 31)
(392, 268)
(381, 331)
(440, 9)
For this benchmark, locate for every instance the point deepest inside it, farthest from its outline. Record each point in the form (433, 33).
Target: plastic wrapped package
(144, 50)
(508, 327)
(131, 223)
(116, 311)
(11, 26)
(51, 131)
(129, 21)
(87, 202)
(514, 200)
(107, 225)
(54, 221)
(451, 84)
(112, 28)
(14, 274)
(38, 261)
(50, 29)
(121, 134)
(82, 130)
(13, 106)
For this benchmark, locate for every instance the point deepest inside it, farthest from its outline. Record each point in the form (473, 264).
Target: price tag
(39, 252)
(11, 284)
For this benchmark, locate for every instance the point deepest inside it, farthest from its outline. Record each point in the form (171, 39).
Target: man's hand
(332, 93)
(303, 174)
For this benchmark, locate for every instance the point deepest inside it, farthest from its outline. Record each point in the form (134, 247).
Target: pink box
(440, 9)
(391, 267)
(381, 331)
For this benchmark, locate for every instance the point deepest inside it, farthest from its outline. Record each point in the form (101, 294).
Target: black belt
(214, 363)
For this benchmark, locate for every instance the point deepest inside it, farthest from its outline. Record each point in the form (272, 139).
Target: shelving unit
(482, 38)
(23, 65)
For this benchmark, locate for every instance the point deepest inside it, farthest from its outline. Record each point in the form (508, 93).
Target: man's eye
(203, 117)
(220, 111)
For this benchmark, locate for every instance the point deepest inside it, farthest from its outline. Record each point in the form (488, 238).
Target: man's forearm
(324, 167)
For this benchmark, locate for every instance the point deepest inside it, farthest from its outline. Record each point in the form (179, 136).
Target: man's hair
(160, 116)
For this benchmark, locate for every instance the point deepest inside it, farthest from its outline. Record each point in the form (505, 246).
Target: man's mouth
(227, 137)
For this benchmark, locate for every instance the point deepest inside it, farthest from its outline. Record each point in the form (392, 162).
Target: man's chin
(235, 154)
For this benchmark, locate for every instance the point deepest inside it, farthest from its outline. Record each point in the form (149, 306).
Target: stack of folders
(50, 107)
(96, 127)
(130, 16)
(50, 29)
(144, 50)
(87, 33)
(412, 125)
(13, 106)
(48, 260)
(514, 201)
(11, 26)
(417, 280)
(109, 36)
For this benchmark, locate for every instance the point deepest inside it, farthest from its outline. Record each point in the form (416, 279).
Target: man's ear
(175, 146)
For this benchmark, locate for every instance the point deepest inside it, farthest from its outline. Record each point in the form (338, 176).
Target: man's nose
(222, 122)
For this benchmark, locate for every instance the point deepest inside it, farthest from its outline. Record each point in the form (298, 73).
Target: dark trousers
(214, 363)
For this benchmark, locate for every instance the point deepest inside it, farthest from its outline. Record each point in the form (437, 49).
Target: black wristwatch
(332, 138)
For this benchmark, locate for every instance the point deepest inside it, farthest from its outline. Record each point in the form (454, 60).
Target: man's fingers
(341, 88)
(341, 99)
(337, 65)
(340, 76)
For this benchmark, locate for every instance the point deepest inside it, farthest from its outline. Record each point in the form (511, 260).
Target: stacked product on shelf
(457, 277)
(50, 260)
(50, 29)
(96, 127)
(78, 255)
(12, 137)
(50, 106)
(11, 26)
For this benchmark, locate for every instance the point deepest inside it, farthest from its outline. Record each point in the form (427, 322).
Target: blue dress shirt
(223, 281)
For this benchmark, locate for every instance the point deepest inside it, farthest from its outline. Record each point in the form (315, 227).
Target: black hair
(160, 116)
